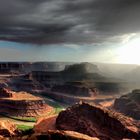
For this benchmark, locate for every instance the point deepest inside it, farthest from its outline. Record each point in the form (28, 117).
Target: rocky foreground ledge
(56, 135)
(84, 122)
(97, 122)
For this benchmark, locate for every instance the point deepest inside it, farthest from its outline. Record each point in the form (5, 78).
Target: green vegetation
(27, 119)
(58, 108)
(24, 128)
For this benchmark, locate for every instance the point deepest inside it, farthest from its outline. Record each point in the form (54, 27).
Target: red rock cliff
(22, 104)
(97, 122)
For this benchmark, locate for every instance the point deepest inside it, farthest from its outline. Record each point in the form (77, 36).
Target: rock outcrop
(45, 124)
(7, 129)
(97, 122)
(129, 104)
(56, 135)
(22, 104)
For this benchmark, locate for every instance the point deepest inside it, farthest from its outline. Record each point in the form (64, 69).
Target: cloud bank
(68, 21)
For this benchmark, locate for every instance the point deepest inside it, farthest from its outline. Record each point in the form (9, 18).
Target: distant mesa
(7, 67)
(81, 68)
(49, 66)
(26, 67)
(22, 104)
(73, 72)
(129, 104)
(87, 73)
(24, 83)
(82, 71)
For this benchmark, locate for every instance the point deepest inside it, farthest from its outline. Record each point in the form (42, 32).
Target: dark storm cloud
(68, 21)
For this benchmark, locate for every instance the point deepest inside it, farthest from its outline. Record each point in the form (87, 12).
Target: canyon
(33, 89)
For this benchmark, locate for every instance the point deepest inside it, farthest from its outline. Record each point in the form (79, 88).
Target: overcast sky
(66, 30)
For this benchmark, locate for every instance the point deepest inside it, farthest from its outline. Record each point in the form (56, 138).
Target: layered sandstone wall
(74, 90)
(23, 108)
(23, 104)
